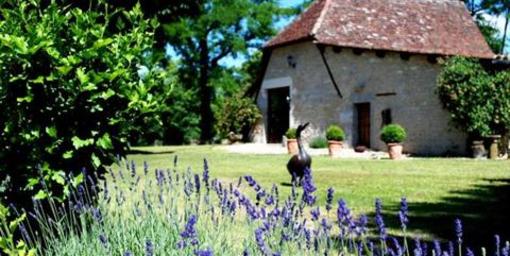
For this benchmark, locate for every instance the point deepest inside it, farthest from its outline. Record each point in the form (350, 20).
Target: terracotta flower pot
(395, 150)
(334, 147)
(478, 149)
(292, 146)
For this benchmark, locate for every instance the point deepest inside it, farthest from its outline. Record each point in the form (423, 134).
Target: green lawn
(437, 189)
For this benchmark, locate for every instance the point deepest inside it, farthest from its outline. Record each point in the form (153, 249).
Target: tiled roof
(442, 27)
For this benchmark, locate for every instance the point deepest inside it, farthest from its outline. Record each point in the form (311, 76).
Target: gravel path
(274, 149)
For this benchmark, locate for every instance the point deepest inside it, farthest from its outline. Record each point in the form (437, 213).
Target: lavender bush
(170, 212)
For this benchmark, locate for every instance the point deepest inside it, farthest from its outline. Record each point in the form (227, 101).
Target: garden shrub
(335, 132)
(291, 133)
(319, 142)
(70, 94)
(236, 114)
(393, 133)
(478, 99)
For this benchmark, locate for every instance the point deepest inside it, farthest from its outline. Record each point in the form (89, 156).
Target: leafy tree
(70, 94)
(494, 7)
(222, 28)
(499, 7)
(478, 99)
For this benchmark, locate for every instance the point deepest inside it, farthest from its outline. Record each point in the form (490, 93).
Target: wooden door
(278, 113)
(363, 113)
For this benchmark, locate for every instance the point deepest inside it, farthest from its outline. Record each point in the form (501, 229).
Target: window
(386, 117)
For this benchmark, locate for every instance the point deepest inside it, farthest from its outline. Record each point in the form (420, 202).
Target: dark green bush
(393, 133)
(291, 133)
(478, 99)
(319, 142)
(237, 114)
(70, 94)
(334, 132)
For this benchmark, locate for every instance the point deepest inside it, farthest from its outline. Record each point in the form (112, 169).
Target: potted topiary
(393, 135)
(292, 145)
(335, 136)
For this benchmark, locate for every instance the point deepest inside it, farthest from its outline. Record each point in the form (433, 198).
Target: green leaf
(41, 195)
(64, 70)
(80, 73)
(78, 180)
(95, 161)
(106, 95)
(102, 43)
(27, 99)
(79, 143)
(51, 131)
(58, 177)
(105, 142)
(90, 87)
(67, 154)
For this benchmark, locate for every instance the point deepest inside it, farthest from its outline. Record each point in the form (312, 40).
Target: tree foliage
(478, 99)
(70, 93)
(220, 29)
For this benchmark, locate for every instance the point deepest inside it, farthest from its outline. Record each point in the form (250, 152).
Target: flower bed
(167, 212)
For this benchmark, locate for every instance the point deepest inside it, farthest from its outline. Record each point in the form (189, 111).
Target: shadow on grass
(148, 152)
(483, 209)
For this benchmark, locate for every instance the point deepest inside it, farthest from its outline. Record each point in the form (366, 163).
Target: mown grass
(437, 188)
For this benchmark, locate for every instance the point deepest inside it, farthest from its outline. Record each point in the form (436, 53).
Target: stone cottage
(363, 64)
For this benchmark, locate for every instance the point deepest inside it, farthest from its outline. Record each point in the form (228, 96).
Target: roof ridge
(319, 21)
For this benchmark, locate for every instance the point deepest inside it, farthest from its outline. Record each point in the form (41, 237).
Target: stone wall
(362, 78)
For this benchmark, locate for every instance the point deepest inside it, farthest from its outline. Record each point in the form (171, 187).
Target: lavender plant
(170, 212)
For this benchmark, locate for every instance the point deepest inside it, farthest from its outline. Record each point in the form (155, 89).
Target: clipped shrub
(291, 133)
(319, 142)
(335, 132)
(393, 133)
(70, 94)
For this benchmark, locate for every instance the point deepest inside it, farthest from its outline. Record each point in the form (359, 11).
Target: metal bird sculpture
(299, 162)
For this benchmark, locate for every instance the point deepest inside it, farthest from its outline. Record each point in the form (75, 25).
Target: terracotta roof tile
(442, 27)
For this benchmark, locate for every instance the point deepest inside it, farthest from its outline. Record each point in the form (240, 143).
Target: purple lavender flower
(103, 239)
(308, 238)
(451, 250)
(127, 253)
(329, 199)
(398, 248)
(315, 213)
(96, 214)
(207, 252)
(505, 250)
(269, 200)
(361, 225)
(308, 187)
(498, 244)
(205, 174)
(469, 252)
(189, 233)
(437, 248)
(145, 168)
(326, 227)
(379, 221)
(149, 248)
(458, 230)
(259, 238)
(344, 218)
(417, 248)
(197, 183)
(403, 213)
